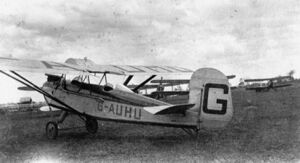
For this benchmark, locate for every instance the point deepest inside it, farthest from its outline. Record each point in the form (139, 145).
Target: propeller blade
(25, 89)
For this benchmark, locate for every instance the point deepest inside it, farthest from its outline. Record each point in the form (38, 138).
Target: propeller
(24, 88)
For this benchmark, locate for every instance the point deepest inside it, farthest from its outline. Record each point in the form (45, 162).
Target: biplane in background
(161, 84)
(265, 84)
(209, 105)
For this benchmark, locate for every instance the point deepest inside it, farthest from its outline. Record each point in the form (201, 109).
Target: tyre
(91, 125)
(51, 130)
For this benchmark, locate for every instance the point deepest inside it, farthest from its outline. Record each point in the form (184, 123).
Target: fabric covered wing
(126, 69)
(77, 66)
(166, 109)
(25, 65)
(135, 70)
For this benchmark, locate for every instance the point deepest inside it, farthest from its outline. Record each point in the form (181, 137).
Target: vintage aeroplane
(160, 84)
(271, 83)
(209, 105)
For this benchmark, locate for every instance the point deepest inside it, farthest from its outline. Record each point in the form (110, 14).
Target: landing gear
(52, 127)
(51, 130)
(91, 125)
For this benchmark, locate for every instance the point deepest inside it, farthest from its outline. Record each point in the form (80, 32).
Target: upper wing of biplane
(77, 66)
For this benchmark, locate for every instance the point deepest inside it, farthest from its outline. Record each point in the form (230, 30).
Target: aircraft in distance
(179, 81)
(209, 105)
(272, 83)
(162, 83)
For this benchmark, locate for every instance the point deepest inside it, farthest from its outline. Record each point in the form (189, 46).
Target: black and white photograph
(149, 81)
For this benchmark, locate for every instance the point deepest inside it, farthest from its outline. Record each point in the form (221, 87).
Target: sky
(248, 38)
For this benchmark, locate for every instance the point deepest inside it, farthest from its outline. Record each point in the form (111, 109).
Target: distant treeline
(11, 107)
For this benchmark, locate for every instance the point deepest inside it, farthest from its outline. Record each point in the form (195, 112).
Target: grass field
(269, 133)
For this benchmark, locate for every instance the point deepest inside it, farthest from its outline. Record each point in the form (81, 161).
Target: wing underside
(22, 65)
(78, 66)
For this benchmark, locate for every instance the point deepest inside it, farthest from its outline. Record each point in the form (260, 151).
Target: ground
(265, 128)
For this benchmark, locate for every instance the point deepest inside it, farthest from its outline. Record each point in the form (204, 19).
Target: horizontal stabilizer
(173, 109)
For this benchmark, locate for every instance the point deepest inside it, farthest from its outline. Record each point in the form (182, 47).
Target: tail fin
(211, 94)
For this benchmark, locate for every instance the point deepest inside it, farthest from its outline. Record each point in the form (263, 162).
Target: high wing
(24, 65)
(130, 70)
(77, 66)
(126, 69)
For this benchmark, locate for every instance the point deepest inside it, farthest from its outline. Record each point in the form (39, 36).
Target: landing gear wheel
(51, 130)
(91, 125)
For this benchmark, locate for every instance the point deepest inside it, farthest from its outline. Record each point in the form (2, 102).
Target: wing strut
(128, 80)
(143, 83)
(36, 88)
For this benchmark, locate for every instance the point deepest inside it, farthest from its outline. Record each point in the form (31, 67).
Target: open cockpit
(85, 84)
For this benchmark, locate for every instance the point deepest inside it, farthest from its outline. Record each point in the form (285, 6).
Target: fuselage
(115, 104)
(209, 94)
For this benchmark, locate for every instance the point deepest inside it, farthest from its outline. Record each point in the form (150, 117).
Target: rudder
(210, 92)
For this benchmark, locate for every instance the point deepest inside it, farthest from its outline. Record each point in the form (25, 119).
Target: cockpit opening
(53, 78)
